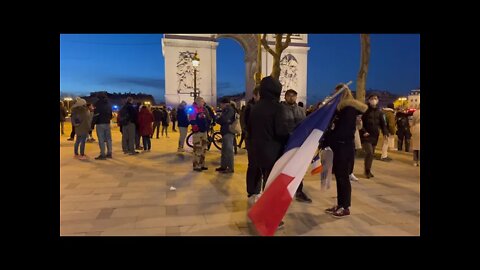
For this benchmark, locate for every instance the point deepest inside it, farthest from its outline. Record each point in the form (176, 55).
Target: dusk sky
(134, 62)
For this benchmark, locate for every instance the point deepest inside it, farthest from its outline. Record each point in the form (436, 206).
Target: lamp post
(195, 63)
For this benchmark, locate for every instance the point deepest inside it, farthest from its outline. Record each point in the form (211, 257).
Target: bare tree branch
(287, 42)
(266, 46)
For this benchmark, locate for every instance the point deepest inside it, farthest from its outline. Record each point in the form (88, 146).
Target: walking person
(63, 114)
(224, 120)
(173, 116)
(157, 116)
(82, 120)
(102, 115)
(182, 125)
(294, 115)
(389, 118)
(200, 121)
(145, 120)
(341, 139)
(90, 108)
(165, 121)
(373, 121)
(403, 131)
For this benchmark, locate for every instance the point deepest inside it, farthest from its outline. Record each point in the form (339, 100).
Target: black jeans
(173, 125)
(242, 138)
(343, 159)
(147, 145)
(369, 152)
(401, 139)
(156, 125)
(72, 134)
(254, 175)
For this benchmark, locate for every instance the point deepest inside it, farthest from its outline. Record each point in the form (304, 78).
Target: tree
(364, 60)
(279, 48)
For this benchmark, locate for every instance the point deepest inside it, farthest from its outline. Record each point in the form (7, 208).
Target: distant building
(414, 99)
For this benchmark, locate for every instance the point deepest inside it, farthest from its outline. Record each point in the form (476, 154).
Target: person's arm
(281, 129)
(383, 124)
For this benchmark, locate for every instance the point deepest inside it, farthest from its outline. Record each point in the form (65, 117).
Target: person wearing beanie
(373, 121)
(82, 120)
(389, 118)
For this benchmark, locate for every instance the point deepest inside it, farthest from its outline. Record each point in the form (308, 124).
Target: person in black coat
(340, 138)
(157, 116)
(63, 114)
(403, 131)
(254, 175)
(373, 121)
(266, 127)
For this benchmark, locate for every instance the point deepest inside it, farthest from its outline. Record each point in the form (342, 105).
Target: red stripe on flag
(269, 210)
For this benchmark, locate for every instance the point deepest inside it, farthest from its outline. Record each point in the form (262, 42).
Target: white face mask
(373, 102)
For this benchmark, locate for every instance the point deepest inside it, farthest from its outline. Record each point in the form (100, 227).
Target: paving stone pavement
(131, 196)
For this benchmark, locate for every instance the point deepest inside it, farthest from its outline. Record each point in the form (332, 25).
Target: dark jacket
(86, 120)
(373, 120)
(225, 119)
(403, 126)
(157, 115)
(294, 115)
(182, 117)
(343, 127)
(103, 112)
(63, 114)
(199, 119)
(266, 125)
(248, 109)
(132, 112)
(173, 115)
(165, 118)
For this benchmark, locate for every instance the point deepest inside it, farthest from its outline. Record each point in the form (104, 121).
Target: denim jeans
(147, 145)
(227, 151)
(104, 135)
(80, 141)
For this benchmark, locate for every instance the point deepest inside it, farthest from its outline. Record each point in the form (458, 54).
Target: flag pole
(345, 85)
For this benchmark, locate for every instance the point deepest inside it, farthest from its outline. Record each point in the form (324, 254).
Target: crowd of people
(265, 122)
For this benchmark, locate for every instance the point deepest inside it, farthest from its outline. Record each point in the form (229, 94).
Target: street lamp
(195, 63)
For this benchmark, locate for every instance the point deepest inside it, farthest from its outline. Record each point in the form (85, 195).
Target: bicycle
(212, 136)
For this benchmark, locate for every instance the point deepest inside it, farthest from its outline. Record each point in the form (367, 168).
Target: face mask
(373, 102)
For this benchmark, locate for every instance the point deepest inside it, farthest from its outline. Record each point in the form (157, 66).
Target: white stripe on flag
(296, 161)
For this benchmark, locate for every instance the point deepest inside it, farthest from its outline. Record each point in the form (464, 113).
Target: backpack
(235, 127)
(123, 116)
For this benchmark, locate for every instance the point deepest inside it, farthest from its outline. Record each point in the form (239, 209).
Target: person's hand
(366, 134)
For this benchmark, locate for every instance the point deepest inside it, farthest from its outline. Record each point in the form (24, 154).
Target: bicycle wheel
(190, 140)
(217, 140)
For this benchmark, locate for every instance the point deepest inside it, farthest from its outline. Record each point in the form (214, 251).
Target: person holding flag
(341, 139)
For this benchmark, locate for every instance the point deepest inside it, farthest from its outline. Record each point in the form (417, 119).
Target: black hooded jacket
(266, 124)
(103, 112)
(373, 122)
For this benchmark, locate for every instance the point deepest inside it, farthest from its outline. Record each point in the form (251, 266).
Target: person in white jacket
(415, 142)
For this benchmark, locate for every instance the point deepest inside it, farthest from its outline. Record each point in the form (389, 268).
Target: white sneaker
(415, 164)
(352, 177)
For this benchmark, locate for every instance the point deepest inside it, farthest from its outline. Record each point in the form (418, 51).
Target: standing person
(82, 120)
(102, 116)
(341, 139)
(358, 144)
(127, 119)
(416, 137)
(389, 114)
(90, 110)
(165, 121)
(63, 114)
(225, 119)
(254, 175)
(294, 115)
(244, 127)
(234, 107)
(200, 121)
(72, 134)
(267, 128)
(372, 121)
(403, 131)
(137, 128)
(145, 120)
(157, 116)
(182, 125)
(173, 116)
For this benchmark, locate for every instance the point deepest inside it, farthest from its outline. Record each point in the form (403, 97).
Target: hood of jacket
(348, 100)
(270, 89)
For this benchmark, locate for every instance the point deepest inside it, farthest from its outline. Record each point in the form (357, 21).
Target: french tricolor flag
(289, 170)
